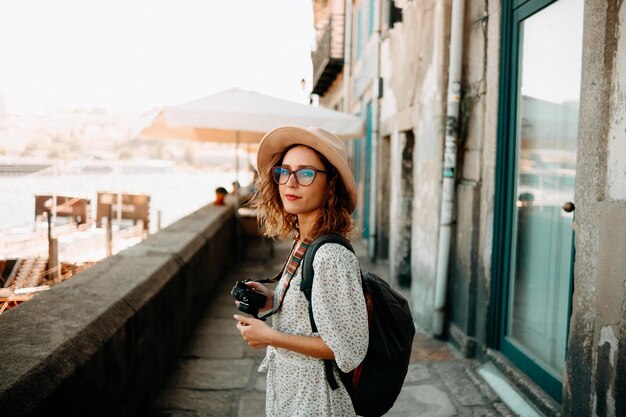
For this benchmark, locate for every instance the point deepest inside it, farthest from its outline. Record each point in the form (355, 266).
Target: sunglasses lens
(280, 174)
(305, 176)
(276, 174)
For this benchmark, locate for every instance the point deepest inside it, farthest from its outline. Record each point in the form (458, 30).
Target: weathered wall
(596, 359)
(470, 259)
(418, 51)
(398, 65)
(464, 253)
(102, 343)
(595, 377)
(399, 213)
(402, 152)
(616, 175)
(488, 168)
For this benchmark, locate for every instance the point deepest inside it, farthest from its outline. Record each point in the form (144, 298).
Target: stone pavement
(216, 374)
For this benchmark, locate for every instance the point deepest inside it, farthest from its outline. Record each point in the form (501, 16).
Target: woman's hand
(260, 288)
(259, 335)
(255, 332)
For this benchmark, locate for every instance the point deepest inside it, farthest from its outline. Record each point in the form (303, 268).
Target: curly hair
(276, 222)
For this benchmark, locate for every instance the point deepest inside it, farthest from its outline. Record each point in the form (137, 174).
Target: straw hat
(324, 142)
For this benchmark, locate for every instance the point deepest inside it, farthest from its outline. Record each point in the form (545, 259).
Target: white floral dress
(296, 384)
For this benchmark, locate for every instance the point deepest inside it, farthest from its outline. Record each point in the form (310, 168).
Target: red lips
(292, 197)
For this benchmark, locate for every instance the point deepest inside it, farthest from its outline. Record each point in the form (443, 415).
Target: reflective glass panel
(550, 48)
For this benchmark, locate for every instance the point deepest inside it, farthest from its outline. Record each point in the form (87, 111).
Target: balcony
(328, 56)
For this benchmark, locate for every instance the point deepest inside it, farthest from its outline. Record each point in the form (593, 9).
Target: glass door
(536, 236)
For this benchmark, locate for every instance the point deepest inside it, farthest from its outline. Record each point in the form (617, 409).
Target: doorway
(400, 255)
(383, 199)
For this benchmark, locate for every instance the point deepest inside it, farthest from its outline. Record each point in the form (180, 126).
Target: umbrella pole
(238, 232)
(237, 168)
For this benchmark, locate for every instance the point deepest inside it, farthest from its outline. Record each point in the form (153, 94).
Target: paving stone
(224, 297)
(250, 352)
(426, 348)
(260, 383)
(423, 401)
(417, 372)
(454, 375)
(212, 373)
(215, 346)
(216, 325)
(484, 412)
(219, 376)
(252, 404)
(223, 311)
(184, 402)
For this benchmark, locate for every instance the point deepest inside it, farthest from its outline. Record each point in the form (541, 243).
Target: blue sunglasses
(304, 176)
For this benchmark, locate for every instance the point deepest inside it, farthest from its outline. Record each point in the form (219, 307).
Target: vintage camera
(250, 301)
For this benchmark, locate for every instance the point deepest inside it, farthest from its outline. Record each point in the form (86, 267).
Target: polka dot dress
(296, 384)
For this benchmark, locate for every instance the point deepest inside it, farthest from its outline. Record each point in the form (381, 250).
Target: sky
(555, 32)
(131, 55)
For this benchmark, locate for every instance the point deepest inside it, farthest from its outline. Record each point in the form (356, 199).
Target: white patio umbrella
(240, 116)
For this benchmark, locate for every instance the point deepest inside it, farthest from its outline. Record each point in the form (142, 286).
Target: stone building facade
(533, 273)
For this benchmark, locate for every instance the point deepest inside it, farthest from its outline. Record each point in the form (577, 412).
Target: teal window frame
(372, 16)
(357, 163)
(356, 168)
(368, 169)
(514, 12)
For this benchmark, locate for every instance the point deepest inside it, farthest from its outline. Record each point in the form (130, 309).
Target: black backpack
(375, 384)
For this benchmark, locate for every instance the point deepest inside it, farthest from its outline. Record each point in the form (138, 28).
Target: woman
(306, 189)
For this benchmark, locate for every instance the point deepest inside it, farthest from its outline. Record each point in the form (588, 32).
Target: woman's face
(298, 199)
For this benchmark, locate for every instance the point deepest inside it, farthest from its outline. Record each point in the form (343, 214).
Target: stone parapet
(103, 342)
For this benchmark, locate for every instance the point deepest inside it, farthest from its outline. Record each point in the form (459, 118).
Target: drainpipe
(449, 163)
(347, 56)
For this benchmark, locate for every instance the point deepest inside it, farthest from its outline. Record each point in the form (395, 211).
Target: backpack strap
(306, 286)
(291, 265)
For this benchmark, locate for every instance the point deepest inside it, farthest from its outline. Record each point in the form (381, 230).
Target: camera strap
(292, 264)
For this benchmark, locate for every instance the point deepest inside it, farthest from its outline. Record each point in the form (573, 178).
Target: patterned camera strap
(292, 266)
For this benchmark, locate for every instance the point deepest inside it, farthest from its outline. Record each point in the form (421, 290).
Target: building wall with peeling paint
(412, 58)
(469, 270)
(414, 100)
(414, 68)
(596, 360)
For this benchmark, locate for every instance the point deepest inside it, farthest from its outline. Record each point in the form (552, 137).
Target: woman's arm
(259, 335)
(339, 308)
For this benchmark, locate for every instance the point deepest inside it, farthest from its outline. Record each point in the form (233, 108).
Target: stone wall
(470, 256)
(102, 342)
(414, 100)
(595, 377)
